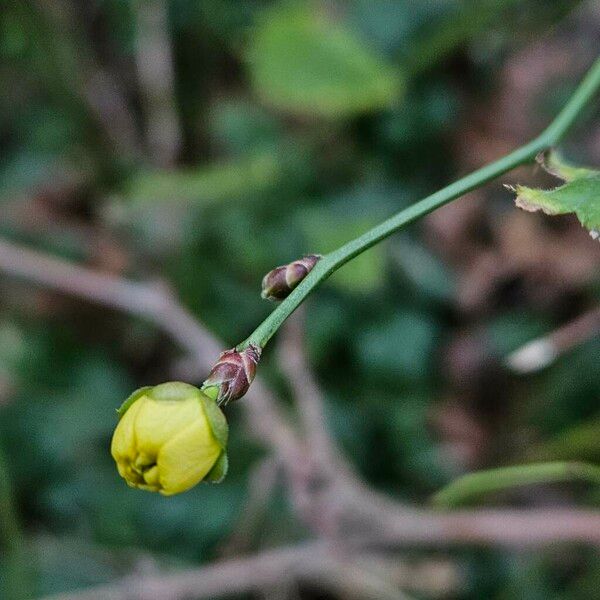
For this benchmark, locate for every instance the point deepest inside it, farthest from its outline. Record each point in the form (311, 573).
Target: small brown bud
(233, 373)
(278, 283)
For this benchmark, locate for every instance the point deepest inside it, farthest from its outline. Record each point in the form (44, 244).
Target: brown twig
(368, 575)
(152, 301)
(541, 352)
(154, 62)
(234, 576)
(312, 562)
(322, 480)
(308, 396)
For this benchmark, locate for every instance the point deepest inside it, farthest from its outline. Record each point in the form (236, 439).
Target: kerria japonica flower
(169, 438)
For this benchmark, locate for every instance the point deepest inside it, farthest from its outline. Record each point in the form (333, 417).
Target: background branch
(366, 576)
(155, 72)
(543, 351)
(308, 396)
(227, 577)
(362, 514)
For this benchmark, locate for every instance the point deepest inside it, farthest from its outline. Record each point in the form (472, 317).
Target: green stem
(333, 261)
(473, 485)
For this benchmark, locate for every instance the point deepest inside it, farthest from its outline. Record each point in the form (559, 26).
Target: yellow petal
(123, 444)
(160, 420)
(151, 476)
(188, 457)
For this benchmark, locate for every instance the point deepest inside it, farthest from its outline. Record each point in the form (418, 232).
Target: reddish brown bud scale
(233, 373)
(278, 283)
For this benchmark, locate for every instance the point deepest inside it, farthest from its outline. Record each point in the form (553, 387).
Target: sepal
(216, 418)
(219, 471)
(131, 399)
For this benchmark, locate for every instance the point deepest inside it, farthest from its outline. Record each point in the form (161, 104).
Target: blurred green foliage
(303, 61)
(301, 124)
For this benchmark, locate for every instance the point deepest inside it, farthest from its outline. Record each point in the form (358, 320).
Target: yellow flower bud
(169, 438)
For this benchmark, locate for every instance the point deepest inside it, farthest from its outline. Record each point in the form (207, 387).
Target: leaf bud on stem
(278, 283)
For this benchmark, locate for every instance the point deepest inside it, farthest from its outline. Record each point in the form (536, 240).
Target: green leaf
(553, 163)
(579, 195)
(302, 61)
(208, 184)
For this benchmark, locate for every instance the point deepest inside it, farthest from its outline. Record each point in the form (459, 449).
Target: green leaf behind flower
(303, 61)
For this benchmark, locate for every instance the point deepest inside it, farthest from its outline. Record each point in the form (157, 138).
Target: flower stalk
(330, 263)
